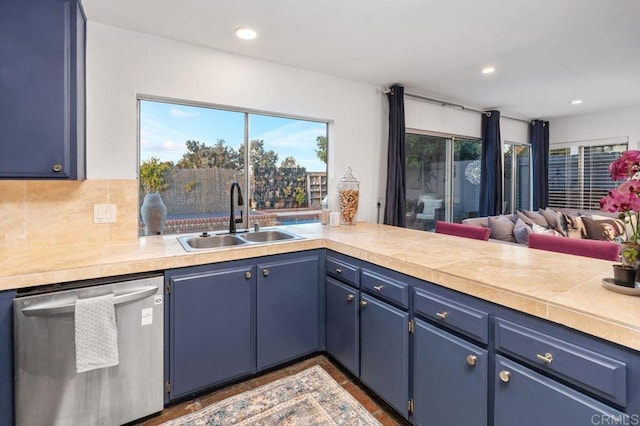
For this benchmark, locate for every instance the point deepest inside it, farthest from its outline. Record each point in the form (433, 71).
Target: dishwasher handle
(65, 308)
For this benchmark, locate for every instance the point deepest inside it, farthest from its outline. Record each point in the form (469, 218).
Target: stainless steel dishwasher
(49, 391)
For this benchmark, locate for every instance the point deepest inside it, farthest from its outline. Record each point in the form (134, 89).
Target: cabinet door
(384, 351)
(6, 357)
(42, 85)
(342, 325)
(524, 397)
(450, 379)
(287, 310)
(211, 330)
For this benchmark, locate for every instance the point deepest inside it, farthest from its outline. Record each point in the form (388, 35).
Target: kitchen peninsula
(539, 296)
(561, 288)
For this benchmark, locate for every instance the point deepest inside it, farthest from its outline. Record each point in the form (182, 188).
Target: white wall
(623, 122)
(427, 116)
(122, 64)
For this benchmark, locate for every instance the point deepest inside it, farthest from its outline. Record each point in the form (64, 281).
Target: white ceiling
(546, 52)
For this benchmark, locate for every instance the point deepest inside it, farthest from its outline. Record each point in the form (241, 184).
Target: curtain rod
(462, 107)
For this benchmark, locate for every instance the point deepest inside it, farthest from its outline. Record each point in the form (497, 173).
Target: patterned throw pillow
(572, 226)
(629, 224)
(605, 229)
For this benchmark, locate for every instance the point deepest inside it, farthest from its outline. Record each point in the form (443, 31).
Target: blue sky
(164, 129)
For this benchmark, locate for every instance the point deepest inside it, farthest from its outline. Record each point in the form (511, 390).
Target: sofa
(515, 228)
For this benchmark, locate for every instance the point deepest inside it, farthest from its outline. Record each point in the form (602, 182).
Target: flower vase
(624, 275)
(154, 214)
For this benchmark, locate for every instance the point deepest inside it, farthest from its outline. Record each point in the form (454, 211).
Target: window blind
(579, 175)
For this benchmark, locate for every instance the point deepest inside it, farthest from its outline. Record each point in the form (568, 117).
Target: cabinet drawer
(526, 398)
(464, 319)
(596, 373)
(344, 271)
(385, 288)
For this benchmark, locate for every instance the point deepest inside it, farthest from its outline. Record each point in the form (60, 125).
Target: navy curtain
(395, 209)
(491, 170)
(539, 140)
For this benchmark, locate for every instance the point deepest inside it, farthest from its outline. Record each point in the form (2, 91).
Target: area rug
(310, 397)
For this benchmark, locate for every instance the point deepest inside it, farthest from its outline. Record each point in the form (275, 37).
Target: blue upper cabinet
(42, 87)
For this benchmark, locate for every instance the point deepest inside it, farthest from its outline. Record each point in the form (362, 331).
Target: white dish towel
(96, 333)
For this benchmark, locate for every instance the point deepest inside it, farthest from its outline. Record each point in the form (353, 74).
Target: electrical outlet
(380, 200)
(104, 213)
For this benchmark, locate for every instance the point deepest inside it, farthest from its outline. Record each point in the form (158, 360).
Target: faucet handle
(238, 220)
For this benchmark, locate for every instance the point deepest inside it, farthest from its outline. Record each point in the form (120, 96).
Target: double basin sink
(211, 241)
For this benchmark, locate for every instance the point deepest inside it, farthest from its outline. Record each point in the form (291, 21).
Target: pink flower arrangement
(625, 199)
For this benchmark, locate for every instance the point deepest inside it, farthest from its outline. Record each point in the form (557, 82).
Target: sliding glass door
(443, 179)
(517, 177)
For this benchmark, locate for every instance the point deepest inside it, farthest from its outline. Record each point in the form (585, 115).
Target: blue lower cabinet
(6, 357)
(524, 397)
(450, 379)
(342, 324)
(288, 310)
(211, 328)
(384, 351)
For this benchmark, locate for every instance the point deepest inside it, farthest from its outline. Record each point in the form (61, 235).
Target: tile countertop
(562, 288)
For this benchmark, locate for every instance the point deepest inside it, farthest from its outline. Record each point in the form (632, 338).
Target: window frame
(581, 146)
(450, 140)
(247, 112)
(514, 183)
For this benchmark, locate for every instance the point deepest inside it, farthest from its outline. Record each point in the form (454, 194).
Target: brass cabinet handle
(363, 303)
(265, 272)
(442, 315)
(338, 270)
(471, 359)
(57, 168)
(350, 297)
(505, 375)
(377, 287)
(546, 358)
(247, 275)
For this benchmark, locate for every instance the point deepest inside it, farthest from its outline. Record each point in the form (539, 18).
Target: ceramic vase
(154, 214)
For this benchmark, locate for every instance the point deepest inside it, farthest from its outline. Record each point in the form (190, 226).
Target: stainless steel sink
(191, 243)
(214, 241)
(268, 236)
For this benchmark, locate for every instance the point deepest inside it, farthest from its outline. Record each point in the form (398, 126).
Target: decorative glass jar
(348, 193)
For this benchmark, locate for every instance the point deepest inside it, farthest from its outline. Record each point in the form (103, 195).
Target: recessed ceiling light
(488, 70)
(246, 33)
(576, 102)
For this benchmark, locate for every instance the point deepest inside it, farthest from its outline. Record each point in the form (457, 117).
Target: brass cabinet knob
(265, 272)
(377, 287)
(471, 359)
(57, 168)
(442, 315)
(546, 358)
(247, 275)
(363, 303)
(338, 270)
(350, 297)
(505, 375)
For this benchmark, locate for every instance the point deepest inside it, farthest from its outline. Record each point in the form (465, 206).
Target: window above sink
(191, 152)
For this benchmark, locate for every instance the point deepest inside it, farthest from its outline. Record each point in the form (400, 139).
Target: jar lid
(348, 177)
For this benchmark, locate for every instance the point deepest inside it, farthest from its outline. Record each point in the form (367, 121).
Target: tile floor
(372, 403)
